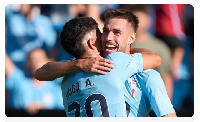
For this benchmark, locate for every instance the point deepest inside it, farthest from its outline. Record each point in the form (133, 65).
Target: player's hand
(95, 65)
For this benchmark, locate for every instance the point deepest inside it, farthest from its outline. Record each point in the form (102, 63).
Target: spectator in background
(148, 41)
(93, 10)
(169, 28)
(97, 12)
(27, 29)
(184, 86)
(61, 13)
(27, 92)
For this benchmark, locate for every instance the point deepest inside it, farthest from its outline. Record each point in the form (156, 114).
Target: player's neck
(128, 50)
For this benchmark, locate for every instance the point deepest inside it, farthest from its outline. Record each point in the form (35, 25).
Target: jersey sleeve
(126, 64)
(157, 94)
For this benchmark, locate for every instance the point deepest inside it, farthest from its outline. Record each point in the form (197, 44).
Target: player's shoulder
(117, 57)
(121, 55)
(116, 54)
(151, 72)
(146, 75)
(154, 78)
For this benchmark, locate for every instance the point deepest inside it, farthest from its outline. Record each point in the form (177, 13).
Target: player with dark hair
(118, 34)
(74, 31)
(90, 94)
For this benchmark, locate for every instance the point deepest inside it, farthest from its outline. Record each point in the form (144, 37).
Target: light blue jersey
(90, 94)
(147, 90)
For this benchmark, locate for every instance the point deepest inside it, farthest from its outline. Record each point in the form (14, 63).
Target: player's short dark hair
(123, 14)
(73, 33)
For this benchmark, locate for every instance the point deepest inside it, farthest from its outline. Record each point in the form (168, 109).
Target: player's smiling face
(116, 36)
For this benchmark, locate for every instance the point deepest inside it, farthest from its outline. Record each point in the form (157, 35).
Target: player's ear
(132, 38)
(91, 44)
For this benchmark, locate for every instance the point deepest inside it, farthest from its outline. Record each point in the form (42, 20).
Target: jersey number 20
(89, 100)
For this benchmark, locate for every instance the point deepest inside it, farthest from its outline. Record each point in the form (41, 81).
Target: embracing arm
(53, 70)
(150, 59)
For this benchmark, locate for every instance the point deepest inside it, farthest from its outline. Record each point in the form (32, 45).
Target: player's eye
(116, 32)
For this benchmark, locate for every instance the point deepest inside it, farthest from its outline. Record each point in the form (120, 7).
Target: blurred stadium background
(32, 32)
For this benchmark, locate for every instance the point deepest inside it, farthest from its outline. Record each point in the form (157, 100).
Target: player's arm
(150, 59)
(53, 70)
(155, 90)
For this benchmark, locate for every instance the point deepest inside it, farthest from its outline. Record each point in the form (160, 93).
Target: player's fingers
(103, 68)
(107, 65)
(105, 60)
(101, 72)
(94, 70)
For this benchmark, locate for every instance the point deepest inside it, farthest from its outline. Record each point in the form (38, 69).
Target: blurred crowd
(32, 39)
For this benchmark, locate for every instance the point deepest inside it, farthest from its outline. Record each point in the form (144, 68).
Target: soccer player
(91, 94)
(118, 34)
(151, 91)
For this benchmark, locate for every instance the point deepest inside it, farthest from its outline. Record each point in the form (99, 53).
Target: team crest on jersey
(133, 85)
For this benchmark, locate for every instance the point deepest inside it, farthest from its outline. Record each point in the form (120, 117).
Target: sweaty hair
(123, 14)
(73, 33)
